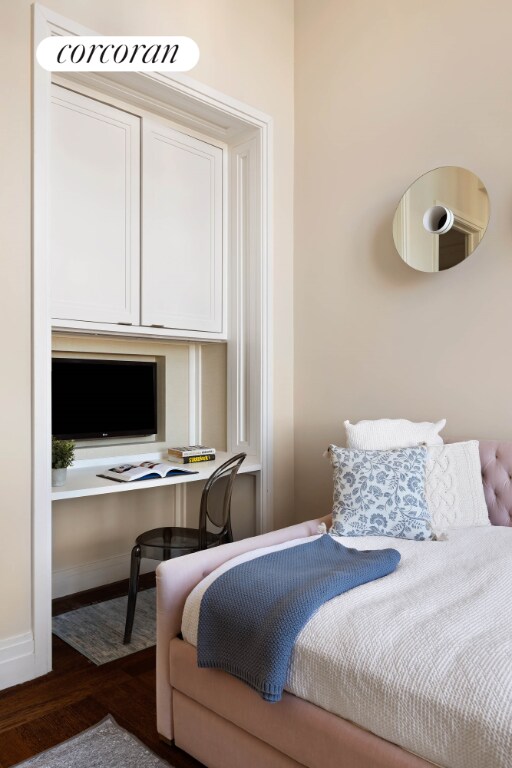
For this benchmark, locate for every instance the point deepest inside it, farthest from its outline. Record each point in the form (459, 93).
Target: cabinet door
(182, 230)
(94, 210)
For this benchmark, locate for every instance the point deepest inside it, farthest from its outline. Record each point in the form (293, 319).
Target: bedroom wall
(246, 52)
(383, 93)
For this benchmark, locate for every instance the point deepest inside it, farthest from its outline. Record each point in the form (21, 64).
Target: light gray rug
(96, 631)
(105, 745)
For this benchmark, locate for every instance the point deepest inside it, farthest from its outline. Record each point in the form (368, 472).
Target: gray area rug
(96, 631)
(105, 745)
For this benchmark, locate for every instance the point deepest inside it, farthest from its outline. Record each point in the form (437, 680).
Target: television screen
(102, 398)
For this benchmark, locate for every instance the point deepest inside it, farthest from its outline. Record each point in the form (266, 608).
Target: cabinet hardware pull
(122, 322)
(156, 325)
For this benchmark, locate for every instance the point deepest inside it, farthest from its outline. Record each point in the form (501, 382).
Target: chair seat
(174, 538)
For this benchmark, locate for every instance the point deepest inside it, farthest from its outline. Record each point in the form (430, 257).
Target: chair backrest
(218, 512)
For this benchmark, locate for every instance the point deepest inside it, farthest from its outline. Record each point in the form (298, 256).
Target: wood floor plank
(141, 662)
(65, 657)
(58, 691)
(15, 747)
(45, 732)
(148, 678)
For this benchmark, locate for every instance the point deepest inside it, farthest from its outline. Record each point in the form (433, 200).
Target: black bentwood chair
(164, 543)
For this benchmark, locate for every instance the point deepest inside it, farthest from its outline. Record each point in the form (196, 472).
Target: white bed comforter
(422, 657)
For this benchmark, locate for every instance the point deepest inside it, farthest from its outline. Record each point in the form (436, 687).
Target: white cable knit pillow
(385, 434)
(454, 488)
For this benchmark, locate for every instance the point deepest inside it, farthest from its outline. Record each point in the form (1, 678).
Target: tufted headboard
(496, 460)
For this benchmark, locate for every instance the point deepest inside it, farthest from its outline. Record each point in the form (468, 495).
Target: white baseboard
(67, 581)
(17, 660)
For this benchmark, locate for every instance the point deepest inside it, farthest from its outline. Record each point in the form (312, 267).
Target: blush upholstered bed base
(225, 724)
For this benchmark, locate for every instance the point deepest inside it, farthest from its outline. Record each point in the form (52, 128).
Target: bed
(225, 724)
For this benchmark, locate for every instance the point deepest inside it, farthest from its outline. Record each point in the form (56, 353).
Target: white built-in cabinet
(94, 210)
(182, 231)
(136, 221)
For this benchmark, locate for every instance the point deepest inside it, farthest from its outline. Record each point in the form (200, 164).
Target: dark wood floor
(77, 694)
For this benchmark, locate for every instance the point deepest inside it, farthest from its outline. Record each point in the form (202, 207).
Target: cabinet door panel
(182, 231)
(94, 210)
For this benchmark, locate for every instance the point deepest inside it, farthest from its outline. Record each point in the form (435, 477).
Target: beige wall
(15, 383)
(246, 52)
(385, 92)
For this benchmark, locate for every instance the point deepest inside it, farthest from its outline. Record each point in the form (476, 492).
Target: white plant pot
(59, 476)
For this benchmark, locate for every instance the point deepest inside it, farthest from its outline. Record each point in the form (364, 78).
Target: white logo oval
(127, 53)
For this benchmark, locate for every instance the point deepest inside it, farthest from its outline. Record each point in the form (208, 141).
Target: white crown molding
(122, 92)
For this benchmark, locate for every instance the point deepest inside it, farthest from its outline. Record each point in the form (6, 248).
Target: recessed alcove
(92, 535)
(246, 134)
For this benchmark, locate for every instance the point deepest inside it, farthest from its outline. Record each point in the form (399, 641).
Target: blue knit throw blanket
(250, 615)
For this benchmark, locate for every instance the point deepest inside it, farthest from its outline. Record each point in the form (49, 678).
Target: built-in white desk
(83, 480)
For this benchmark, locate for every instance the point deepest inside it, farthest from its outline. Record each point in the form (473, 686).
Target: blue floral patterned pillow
(380, 493)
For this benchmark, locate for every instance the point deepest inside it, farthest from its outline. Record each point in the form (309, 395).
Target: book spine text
(183, 454)
(193, 459)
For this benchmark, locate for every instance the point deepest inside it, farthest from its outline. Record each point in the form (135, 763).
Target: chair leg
(132, 593)
(167, 551)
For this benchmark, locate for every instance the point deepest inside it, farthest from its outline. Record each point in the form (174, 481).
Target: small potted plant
(63, 453)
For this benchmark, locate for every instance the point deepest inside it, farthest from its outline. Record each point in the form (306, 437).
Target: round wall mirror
(441, 219)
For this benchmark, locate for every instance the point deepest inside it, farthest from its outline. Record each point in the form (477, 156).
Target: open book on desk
(148, 470)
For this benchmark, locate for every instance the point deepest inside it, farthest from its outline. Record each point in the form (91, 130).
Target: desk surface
(84, 481)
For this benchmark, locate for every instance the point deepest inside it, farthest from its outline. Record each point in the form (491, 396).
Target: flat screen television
(103, 398)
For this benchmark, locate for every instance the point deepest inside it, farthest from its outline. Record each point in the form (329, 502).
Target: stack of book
(191, 454)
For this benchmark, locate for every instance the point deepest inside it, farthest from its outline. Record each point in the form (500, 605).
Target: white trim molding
(67, 581)
(195, 402)
(17, 659)
(473, 228)
(250, 321)
(41, 365)
(243, 129)
(180, 505)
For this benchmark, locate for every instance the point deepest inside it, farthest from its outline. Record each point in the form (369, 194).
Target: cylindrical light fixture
(438, 220)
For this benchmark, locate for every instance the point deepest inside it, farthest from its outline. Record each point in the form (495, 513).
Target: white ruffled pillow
(385, 434)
